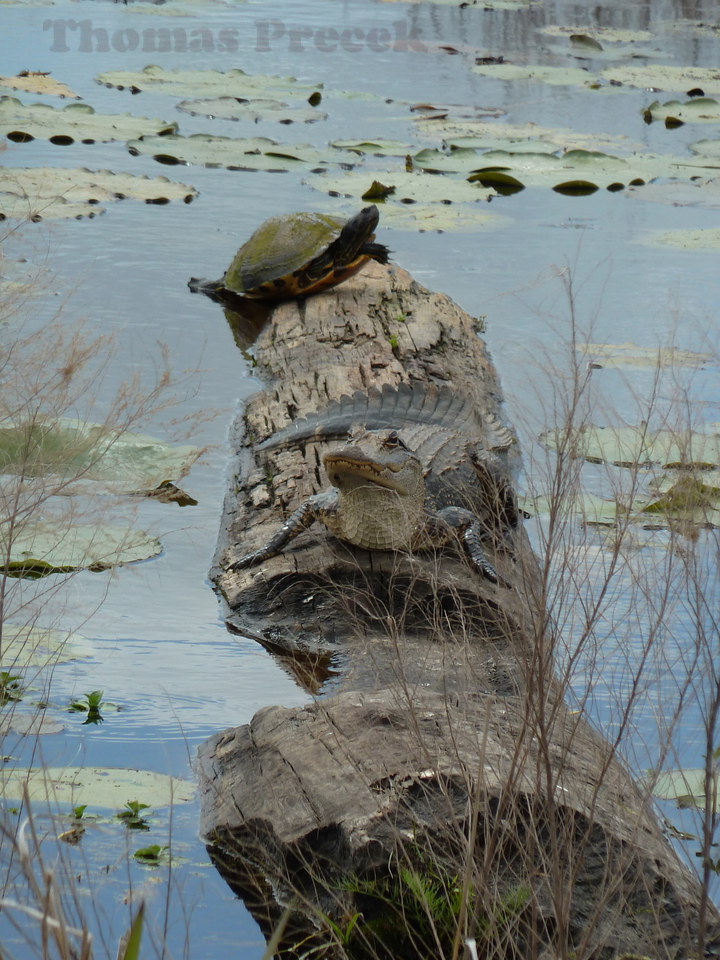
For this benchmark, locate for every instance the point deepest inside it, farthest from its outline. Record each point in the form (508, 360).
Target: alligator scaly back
(395, 408)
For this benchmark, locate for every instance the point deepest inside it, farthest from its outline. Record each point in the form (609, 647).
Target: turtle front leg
(306, 514)
(467, 528)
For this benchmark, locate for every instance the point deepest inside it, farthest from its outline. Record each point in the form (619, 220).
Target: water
(159, 647)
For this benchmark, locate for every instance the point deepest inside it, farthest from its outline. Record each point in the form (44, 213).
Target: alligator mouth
(345, 470)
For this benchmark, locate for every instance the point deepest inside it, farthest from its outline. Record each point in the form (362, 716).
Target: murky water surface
(159, 647)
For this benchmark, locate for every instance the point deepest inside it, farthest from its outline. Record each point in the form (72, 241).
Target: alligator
(441, 481)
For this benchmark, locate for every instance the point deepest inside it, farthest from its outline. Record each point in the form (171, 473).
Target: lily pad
(40, 83)
(39, 192)
(231, 108)
(33, 210)
(75, 448)
(250, 153)
(689, 497)
(30, 646)
(75, 122)
(664, 77)
(698, 193)
(408, 187)
(601, 34)
(376, 148)
(480, 4)
(206, 83)
(588, 508)
(55, 546)
(695, 110)
(611, 79)
(685, 787)
(638, 446)
(440, 217)
(460, 160)
(586, 47)
(706, 148)
(630, 354)
(180, 8)
(516, 137)
(29, 724)
(106, 787)
(590, 167)
(707, 239)
(679, 505)
(555, 76)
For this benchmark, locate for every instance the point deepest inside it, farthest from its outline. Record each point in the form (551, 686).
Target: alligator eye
(393, 440)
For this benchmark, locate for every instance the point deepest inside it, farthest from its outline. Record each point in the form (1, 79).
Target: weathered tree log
(442, 730)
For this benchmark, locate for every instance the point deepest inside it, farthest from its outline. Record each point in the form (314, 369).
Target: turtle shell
(297, 254)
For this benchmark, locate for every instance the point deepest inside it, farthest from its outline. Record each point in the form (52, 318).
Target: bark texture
(438, 729)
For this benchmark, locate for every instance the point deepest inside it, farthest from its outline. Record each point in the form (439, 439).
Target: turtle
(300, 253)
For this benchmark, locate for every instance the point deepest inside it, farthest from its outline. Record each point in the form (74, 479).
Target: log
(438, 733)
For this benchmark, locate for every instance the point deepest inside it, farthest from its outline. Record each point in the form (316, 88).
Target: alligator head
(380, 492)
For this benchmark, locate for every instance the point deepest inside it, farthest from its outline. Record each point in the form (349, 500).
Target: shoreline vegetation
(68, 504)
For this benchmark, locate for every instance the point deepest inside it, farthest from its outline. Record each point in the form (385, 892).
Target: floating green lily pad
(690, 497)
(709, 479)
(198, 36)
(251, 153)
(29, 646)
(207, 83)
(706, 148)
(707, 239)
(515, 137)
(106, 787)
(440, 217)
(590, 167)
(29, 724)
(588, 508)
(75, 448)
(689, 500)
(637, 446)
(408, 187)
(685, 787)
(37, 193)
(697, 193)
(611, 79)
(630, 354)
(376, 148)
(55, 546)
(34, 210)
(682, 503)
(555, 76)
(74, 122)
(586, 47)
(601, 34)
(183, 8)
(230, 108)
(664, 77)
(41, 84)
(460, 160)
(695, 110)
(480, 4)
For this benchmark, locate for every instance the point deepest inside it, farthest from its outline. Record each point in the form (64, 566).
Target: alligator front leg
(314, 508)
(467, 528)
